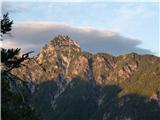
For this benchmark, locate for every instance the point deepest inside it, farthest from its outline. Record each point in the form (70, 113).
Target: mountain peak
(62, 75)
(64, 42)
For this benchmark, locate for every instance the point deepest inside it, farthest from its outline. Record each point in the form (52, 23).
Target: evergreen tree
(14, 97)
(6, 24)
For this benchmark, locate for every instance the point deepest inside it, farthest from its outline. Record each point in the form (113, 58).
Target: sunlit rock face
(71, 84)
(53, 59)
(63, 56)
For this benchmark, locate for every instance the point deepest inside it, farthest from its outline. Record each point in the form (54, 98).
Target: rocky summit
(72, 84)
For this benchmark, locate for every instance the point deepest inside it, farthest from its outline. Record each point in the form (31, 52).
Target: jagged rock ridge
(62, 70)
(55, 58)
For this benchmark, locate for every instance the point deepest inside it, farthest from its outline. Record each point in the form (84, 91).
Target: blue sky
(135, 20)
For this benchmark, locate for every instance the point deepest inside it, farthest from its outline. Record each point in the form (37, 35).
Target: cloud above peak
(33, 36)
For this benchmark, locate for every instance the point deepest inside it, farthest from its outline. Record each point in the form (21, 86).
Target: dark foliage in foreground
(6, 24)
(14, 94)
(80, 102)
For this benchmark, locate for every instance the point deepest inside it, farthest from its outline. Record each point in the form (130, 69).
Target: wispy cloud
(14, 7)
(126, 16)
(33, 35)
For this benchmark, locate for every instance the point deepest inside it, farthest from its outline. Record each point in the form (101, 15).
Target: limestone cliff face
(53, 60)
(71, 84)
(64, 57)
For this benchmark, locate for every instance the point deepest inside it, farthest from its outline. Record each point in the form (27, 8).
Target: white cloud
(13, 44)
(33, 35)
(126, 16)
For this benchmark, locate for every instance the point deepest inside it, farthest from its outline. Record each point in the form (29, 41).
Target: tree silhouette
(6, 24)
(15, 98)
(10, 57)
(7, 54)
